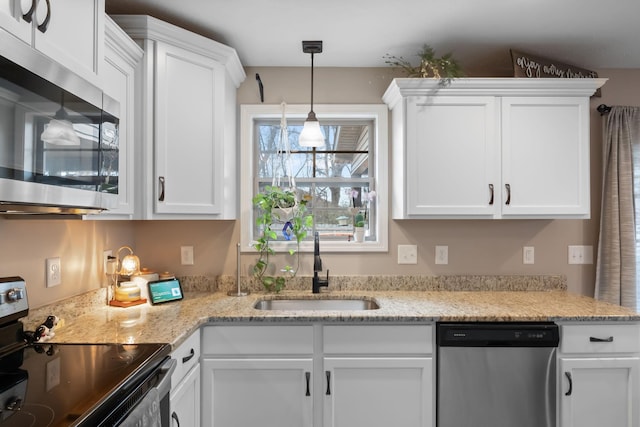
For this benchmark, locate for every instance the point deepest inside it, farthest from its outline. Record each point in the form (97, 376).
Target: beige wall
(475, 247)
(27, 243)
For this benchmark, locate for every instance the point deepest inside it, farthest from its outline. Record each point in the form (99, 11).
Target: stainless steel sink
(327, 304)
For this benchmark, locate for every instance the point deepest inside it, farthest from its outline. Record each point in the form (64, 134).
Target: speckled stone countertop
(173, 322)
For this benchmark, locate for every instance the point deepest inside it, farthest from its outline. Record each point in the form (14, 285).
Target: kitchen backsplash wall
(27, 243)
(475, 247)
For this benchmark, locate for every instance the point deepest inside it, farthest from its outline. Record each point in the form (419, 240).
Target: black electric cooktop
(71, 384)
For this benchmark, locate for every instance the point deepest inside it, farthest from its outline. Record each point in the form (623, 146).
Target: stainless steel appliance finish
(38, 176)
(82, 385)
(497, 375)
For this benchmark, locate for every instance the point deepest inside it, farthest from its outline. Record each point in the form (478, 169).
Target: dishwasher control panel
(499, 334)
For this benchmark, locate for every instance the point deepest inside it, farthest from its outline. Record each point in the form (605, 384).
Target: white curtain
(616, 267)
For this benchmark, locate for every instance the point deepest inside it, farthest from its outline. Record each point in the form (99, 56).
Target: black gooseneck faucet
(317, 266)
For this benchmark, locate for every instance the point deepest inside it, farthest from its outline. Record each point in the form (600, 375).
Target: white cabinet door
(11, 12)
(596, 392)
(257, 392)
(118, 81)
(451, 156)
(545, 157)
(378, 392)
(74, 36)
(185, 400)
(189, 132)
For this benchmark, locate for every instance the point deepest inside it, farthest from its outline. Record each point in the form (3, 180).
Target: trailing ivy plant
(444, 68)
(279, 208)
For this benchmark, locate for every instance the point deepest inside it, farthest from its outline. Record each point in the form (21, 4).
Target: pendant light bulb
(311, 135)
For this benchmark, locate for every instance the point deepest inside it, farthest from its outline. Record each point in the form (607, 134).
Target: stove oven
(48, 384)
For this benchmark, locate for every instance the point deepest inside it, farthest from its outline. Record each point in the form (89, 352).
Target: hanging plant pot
(284, 214)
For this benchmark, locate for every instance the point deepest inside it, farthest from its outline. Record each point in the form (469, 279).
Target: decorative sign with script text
(525, 65)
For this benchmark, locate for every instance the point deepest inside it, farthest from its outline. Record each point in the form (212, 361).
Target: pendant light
(60, 131)
(311, 135)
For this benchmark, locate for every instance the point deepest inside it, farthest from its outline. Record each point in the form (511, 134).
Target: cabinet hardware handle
(45, 24)
(161, 198)
(596, 339)
(175, 417)
(491, 190)
(308, 377)
(328, 383)
(568, 375)
(189, 357)
(29, 15)
(508, 187)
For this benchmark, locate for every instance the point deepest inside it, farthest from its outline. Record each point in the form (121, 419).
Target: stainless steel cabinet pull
(508, 187)
(189, 357)
(175, 417)
(491, 189)
(161, 179)
(308, 376)
(595, 339)
(568, 375)
(29, 15)
(328, 383)
(45, 24)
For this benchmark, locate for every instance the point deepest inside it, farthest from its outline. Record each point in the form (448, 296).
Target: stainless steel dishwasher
(496, 374)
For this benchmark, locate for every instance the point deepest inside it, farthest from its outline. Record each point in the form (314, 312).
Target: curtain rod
(603, 109)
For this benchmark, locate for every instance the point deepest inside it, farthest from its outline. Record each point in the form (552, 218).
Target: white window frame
(249, 113)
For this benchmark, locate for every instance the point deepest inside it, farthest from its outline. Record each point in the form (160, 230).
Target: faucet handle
(324, 282)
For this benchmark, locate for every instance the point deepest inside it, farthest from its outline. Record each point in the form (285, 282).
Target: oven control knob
(14, 405)
(15, 294)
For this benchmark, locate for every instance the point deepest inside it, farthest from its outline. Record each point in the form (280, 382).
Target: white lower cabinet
(378, 391)
(257, 392)
(184, 399)
(318, 375)
(599, 375)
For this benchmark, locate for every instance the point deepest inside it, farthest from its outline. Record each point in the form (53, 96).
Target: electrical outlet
(54, 274)
(186, 255)
(407, 254)
(442, 254)
(528, 255)
(580, 254)
(105, 260)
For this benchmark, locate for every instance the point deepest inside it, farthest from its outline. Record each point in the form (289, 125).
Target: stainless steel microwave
(59, 146)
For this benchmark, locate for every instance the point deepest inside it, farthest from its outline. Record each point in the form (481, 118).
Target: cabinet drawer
(378, 339)
(187, 355)
(257, 340)
(600, 338)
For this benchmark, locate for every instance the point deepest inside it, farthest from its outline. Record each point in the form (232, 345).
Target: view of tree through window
(338, 176)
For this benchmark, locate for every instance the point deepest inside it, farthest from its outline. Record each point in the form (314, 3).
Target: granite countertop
(173, 322)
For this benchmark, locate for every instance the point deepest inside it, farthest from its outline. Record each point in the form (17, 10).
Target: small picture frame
(166, 290)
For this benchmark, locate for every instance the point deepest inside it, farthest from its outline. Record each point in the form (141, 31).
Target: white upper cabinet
(118, 75)
(187, 118)
(490, 148)
(69, 31)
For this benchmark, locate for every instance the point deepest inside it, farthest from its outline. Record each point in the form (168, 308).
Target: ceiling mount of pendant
(314, 46)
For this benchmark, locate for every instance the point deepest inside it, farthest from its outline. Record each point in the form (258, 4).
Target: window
(349, 172)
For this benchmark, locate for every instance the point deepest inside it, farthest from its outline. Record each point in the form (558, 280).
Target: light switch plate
(528, 255)
(407, 254)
